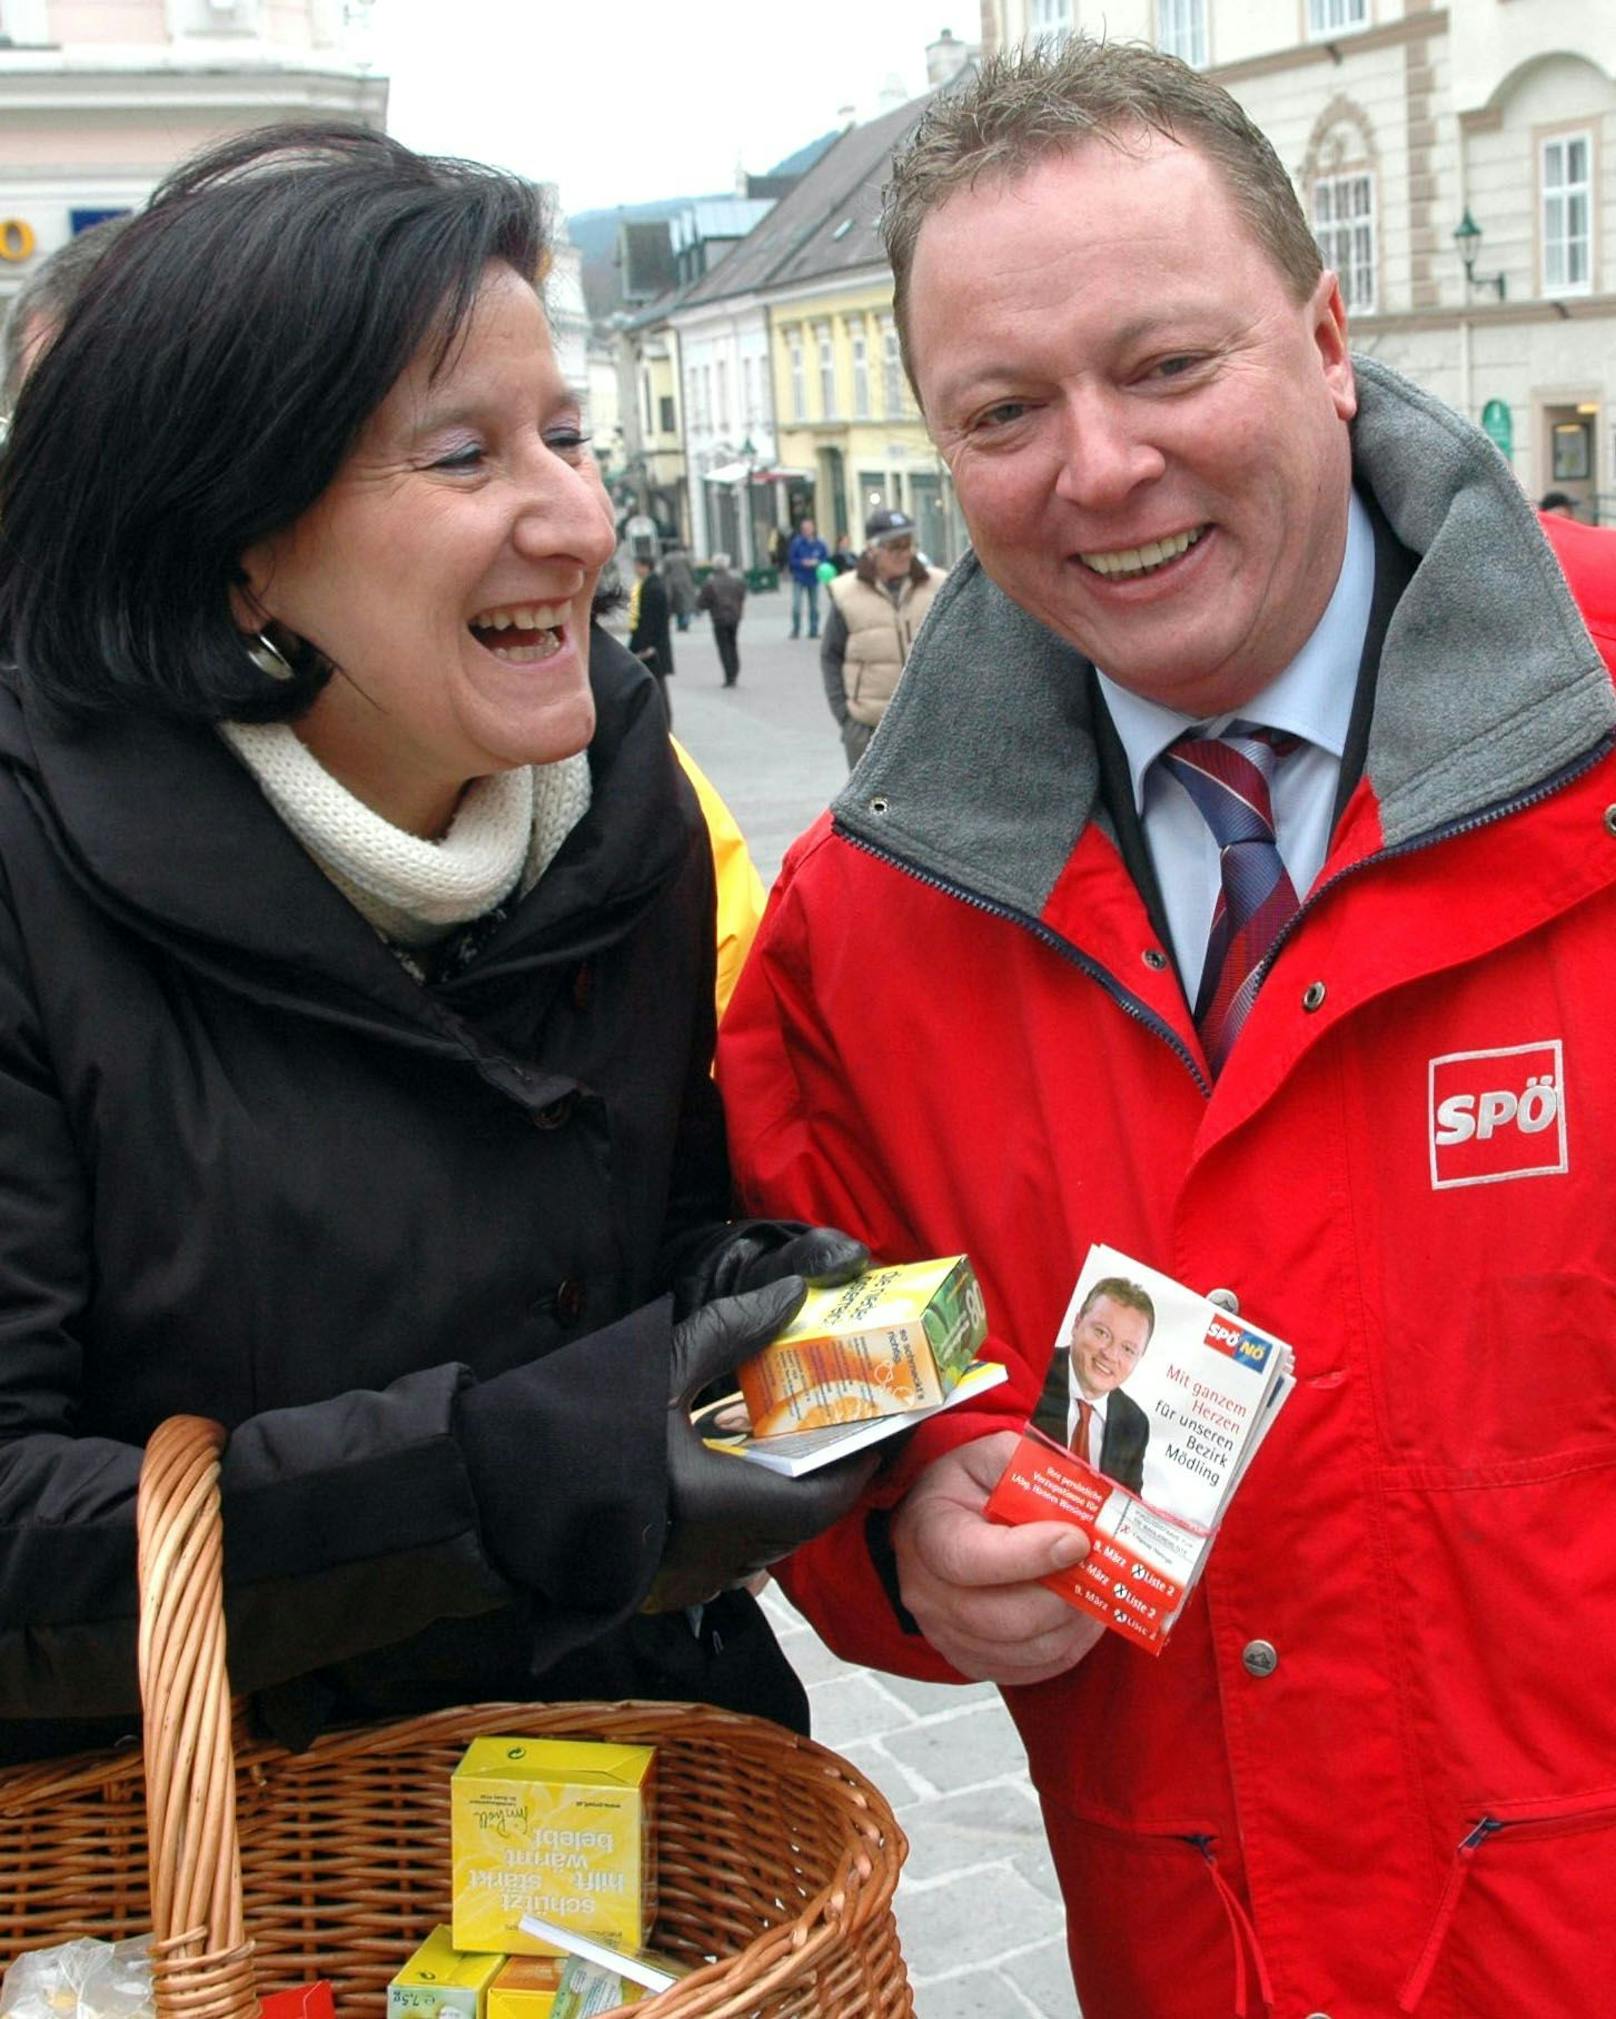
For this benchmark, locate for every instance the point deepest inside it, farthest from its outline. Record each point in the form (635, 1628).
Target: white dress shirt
(1312, 700)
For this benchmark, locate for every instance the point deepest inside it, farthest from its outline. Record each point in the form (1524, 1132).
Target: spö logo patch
(1497, 1115)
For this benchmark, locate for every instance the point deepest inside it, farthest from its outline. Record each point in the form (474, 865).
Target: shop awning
(735, 473)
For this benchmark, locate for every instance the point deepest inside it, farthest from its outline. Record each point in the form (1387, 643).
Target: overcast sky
(619, 101)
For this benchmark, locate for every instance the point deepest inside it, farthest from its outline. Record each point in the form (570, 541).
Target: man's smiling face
(1108, 1342)
(1147, 432)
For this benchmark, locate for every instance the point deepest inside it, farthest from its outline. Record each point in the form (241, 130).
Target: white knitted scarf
(505, 833)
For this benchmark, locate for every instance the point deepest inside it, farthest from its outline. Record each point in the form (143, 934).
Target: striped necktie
(1230, 778)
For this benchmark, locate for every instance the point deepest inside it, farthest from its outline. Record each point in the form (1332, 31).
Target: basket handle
(192, 1850)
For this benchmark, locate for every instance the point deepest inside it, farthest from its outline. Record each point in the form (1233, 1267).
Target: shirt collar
(1311, 699)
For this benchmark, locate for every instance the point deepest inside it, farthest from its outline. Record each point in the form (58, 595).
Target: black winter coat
(652, 637)
(406, 1242)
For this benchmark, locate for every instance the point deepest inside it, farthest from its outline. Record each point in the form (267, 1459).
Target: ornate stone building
(1458, 163)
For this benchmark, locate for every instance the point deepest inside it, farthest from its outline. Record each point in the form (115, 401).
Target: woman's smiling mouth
(522, 633)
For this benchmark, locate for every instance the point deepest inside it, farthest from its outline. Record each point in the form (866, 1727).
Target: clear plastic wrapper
(84, 1979)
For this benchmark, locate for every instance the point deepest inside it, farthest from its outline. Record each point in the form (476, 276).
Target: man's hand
(972, 1585)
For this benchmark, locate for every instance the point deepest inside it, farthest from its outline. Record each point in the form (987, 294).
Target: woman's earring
(269, 658)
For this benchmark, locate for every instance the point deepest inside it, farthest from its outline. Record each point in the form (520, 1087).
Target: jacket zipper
(1464, 1857)
(1050, 938)
(1488, 817)
(1545, 789)
(1242, 1933)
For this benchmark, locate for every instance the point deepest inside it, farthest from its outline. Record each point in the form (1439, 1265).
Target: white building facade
(723, 349)
(99, 98)
(1404, 123)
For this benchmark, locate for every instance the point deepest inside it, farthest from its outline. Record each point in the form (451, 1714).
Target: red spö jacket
(1375, 1771)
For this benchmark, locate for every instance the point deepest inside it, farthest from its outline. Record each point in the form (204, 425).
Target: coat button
(1225, 1300)
(569, 1301)
(557, 1114)
(1313, 996)
(1610, 819)
(583, 986)
(1260, 1657)
(1154, 959)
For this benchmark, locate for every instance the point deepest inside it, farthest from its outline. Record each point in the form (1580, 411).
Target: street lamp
(749, 457)
(1468, 239)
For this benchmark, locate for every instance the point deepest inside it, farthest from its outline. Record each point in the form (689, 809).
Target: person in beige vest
(874, 615)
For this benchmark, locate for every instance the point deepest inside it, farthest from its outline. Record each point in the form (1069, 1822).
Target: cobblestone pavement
(978, 1906)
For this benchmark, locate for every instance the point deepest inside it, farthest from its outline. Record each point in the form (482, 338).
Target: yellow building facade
(845, 413)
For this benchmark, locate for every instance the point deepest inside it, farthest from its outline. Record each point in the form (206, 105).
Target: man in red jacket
(1234, 882)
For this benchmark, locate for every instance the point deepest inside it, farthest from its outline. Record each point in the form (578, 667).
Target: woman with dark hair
(356, 961)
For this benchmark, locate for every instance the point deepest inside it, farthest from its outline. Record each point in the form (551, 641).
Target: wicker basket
(777, 1860)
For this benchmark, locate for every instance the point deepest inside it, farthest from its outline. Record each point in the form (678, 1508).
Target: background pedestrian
(650, 636)
(874, 615)
(680, 577)
(803, 557)
(723, 595)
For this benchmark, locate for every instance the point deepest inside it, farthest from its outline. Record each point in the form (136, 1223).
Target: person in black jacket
(356, 961)
(650, 636)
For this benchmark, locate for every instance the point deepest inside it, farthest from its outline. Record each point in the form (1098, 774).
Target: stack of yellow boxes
(560, 1828)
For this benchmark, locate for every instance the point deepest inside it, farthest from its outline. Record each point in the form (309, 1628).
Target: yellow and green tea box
(894, 1339)
(441, 1978)
(561, 1828)
(525, 1988)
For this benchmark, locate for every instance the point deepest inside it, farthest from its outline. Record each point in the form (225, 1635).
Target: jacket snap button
(1260, 1657)
(1313, 995)
(1225, 1300)
(569, 1301)
(583, 986)
(1154, 958)
(557, 1113)
(1610, 819)
(878, 805)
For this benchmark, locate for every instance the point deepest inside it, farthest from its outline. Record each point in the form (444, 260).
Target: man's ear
(1328, 326)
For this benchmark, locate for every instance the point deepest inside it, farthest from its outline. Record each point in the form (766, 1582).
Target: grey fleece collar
(984, 770)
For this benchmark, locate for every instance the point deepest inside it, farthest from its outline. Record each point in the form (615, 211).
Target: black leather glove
(728, 1519)
(746, 1254)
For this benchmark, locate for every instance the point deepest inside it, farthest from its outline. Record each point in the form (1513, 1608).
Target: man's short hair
(214, 369)
(1131, 1296)
(720, 561)
(45, 298)
(1557, 501)
(1035, 102)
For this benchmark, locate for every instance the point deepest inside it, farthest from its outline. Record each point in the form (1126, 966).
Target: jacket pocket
(1526, 1921)
(1155, 1921)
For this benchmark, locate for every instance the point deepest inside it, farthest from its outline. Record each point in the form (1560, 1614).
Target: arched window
(1340, 184)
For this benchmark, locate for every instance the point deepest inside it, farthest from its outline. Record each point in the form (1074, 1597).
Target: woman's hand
(729, 1519)
(748, 1254)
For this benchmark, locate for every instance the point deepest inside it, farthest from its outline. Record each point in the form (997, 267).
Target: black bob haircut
(212, 374)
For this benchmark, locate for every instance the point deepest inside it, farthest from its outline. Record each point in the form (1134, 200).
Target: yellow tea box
(440, 1978)
(561, 1828)
(525, 1988)
(893, 1339)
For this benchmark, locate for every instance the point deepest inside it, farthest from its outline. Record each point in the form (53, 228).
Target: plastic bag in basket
(85, 1979)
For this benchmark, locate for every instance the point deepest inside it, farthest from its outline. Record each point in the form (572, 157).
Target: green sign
(1498, 426)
